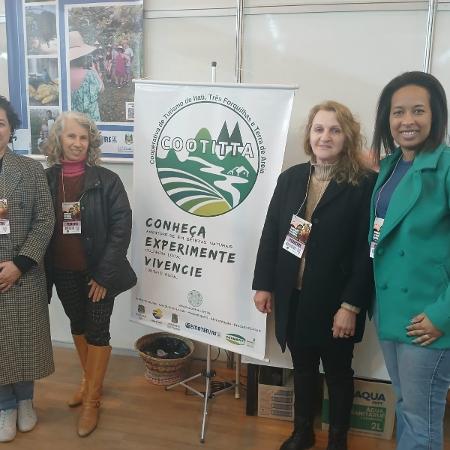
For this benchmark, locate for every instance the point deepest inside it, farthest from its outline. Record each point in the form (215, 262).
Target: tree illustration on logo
(215, 177)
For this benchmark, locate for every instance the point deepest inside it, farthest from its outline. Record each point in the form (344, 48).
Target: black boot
(302, 438)
(340, 391)
(337, 439)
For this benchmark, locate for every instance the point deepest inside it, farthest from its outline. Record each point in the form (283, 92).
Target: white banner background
(174, 126)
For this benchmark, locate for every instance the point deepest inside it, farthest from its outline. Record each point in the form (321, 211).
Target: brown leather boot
(81, 346)
(97, 362)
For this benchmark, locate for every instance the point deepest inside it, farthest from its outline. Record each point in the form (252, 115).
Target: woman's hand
(97, 292)
(263, 301)
(9, 274)
(344, 323)
(423, 328)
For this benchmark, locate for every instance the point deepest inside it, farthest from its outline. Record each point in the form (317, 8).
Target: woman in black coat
(320, 286)
(86, 259)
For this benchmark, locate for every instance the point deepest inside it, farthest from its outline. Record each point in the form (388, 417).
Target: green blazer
(412, 259)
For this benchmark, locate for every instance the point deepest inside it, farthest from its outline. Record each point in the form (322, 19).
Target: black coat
(105, 228)
(338, 267)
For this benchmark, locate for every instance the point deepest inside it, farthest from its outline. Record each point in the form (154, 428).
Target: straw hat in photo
(77, 47)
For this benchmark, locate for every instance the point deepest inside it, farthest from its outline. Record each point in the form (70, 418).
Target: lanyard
(324, 186)
(307, 190)
(64, 190)
(384, 184)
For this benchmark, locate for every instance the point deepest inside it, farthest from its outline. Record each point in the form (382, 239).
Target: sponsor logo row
(232, 338)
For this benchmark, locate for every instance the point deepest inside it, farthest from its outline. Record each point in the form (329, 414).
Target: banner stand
(210, 392)
(209, 374)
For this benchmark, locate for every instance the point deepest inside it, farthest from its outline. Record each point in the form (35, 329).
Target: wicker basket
(163, 371)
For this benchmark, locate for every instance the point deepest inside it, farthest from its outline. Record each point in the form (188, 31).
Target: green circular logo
(207, 158)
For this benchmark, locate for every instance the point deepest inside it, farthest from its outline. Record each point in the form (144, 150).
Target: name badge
(4, 221)
(71, 218)
(297, 237)
(377, 224)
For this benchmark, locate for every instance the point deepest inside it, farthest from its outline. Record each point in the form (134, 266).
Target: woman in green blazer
(410, 246)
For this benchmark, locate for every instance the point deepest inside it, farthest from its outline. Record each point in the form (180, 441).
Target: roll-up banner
(207, 157)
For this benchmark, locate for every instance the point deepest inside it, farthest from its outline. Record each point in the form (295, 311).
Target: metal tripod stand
(209, 393)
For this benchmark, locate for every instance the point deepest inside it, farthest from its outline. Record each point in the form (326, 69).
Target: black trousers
(86, 317)
(336, 359)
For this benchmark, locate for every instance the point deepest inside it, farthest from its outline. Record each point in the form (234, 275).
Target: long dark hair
(382, 137)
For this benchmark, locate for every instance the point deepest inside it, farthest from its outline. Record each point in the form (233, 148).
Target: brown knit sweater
(68, 251)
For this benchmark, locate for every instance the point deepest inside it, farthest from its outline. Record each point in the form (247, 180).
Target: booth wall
(344, 50)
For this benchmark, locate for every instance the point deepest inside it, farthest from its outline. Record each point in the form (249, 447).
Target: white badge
(297, 237)
(377, 224)
(71, 218)
(4, 221)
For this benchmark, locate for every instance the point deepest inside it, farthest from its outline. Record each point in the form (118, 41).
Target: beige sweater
(320, 178)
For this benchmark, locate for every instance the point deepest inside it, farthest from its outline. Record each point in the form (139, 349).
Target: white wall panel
(346, 56)
(182, 48)
(440, 63)
(4, 89)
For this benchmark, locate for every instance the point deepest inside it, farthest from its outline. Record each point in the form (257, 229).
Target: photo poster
(78, 55)
(206, 163)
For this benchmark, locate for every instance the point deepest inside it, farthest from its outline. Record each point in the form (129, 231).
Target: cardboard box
(275, 401)
(373, 410)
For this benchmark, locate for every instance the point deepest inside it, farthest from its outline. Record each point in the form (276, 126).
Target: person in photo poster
(129, 62)
(320, 292)
(26, 223)
(410, 243)
(85, 82)
(86, 260)
(116, 31)
(108, 62)
(121, 60)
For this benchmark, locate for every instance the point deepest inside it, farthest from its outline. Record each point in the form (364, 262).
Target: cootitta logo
(207, 153)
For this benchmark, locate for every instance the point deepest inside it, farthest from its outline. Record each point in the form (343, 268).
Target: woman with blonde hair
(86, 260)
(320, 285)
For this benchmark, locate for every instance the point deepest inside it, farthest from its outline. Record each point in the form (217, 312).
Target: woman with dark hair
(25, 229)
(87, 259)
(410, 247)
(319, 281)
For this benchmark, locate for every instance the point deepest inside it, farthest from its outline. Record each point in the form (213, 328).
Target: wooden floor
(137, 415)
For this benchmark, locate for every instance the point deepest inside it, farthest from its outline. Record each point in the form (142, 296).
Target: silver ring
(426, 336)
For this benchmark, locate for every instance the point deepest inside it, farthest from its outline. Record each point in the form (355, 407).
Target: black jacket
(338, 267)
(105, 230)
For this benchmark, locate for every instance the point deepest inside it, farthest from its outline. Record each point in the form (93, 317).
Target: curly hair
(382, 136)
(350, 167)
(53, 149)
(11, 115)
